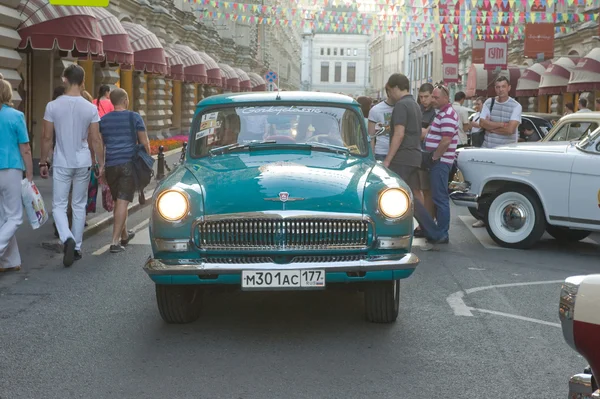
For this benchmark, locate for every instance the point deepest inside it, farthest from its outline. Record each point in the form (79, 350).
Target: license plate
(282, 279)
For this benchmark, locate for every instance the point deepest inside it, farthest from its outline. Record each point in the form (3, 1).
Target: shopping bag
(34, 204)
(92, 194)
(107, 199)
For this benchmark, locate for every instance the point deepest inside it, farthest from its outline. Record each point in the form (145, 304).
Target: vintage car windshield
(278, 124)
(571, 131)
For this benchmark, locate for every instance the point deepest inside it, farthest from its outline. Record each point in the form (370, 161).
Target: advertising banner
(539, 37)
(448, 17)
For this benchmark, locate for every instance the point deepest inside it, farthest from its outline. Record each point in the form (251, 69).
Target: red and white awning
(480, 82)
(555, 78)
(586, 75)
(529, 82)
(148, 53)
(245, 84)
(117, 48)
(212, 70)
(194, 67)
(174, 64)
(231, 77)
(68, 28)
(258, 83)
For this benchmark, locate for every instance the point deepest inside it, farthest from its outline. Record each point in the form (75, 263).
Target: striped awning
(258, 83)
(231, 79)
(586, 75)
(117, 48)
(245, 84)
(480, 82)
(555, 78)
(194, 67)
(69, 28)
(174, 64)
(212, 70)
(529, 82)
(148, 53)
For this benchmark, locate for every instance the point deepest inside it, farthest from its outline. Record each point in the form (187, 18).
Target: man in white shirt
(463, 116)
(583, 105)
(381, 115)
(71, 117)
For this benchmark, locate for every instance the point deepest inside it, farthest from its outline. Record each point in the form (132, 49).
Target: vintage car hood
(536, 147)
(253, 181)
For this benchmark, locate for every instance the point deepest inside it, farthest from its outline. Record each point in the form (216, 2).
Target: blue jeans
(430, 229)
(438, 177)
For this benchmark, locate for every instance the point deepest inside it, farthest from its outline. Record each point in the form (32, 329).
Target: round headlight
(394, 203)
(172, 205)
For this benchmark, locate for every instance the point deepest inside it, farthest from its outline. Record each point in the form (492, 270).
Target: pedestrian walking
(70, 117)
(477, 106)
(404, 153)
(441, 141)
(15, 156)
(381, 116)
(500, 117)
(102, 101)
(121, 131)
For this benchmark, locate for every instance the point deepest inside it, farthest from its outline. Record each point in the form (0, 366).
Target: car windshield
(232, 128)
(571, 131)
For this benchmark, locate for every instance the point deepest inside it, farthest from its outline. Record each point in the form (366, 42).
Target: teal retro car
(280, 191)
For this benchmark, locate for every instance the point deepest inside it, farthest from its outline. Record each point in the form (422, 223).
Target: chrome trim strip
(170, 245)
(393, 242)
(282, 215)
(574, 220)
(199, 267)
(580, 384)
(566, 309)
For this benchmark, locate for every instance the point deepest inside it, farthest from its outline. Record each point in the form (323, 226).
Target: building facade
(166, 54)
(425, 57)
(387, 57)
(336, 63)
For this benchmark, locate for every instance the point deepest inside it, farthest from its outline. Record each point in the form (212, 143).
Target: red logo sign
(496, 55)
(283, 196)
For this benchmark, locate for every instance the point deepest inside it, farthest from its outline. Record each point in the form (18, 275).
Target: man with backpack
(121, 131)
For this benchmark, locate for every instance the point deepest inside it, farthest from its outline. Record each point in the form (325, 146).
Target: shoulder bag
(478, 137)
(142, 163)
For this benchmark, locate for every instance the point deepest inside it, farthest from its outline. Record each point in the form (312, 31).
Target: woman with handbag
(475, 128)
(15, 156)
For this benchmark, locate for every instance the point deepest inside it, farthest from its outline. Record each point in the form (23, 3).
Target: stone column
(532, 104)
(556, 104)
(188, 106)
(10, 59)
(201, 92)
(106, 76)
(159, 107)
(139, 95)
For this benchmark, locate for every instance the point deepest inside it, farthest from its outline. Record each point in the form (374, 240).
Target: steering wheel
(281, 139)
(325, 139)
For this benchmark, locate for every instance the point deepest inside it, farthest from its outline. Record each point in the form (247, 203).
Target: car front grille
(282, 234)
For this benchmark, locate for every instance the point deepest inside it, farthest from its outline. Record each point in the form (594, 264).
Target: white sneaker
(479, 223)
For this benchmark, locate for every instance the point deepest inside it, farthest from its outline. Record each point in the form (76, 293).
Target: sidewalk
(44, 236)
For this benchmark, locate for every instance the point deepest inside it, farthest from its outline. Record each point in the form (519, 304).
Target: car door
(584, 202)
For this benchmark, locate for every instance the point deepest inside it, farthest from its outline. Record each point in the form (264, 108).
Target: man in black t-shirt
(404, 155)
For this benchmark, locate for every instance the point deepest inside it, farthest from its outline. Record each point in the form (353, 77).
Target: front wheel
(382, 301)
(515, 218)
(566, 234)
(179, 304)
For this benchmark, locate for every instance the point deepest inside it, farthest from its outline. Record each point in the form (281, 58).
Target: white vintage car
(524, 189)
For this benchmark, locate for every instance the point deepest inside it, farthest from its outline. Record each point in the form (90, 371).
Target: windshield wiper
(329, 147)
(236, 146)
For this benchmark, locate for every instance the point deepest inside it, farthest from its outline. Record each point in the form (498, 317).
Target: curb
(95, 227)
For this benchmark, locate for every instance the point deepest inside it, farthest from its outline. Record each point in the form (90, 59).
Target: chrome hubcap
(514, 216)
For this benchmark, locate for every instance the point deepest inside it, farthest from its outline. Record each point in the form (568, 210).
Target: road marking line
(137, 228)
(460, 308)
(513, 316)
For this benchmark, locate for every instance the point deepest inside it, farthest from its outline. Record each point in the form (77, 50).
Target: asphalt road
(93, 331)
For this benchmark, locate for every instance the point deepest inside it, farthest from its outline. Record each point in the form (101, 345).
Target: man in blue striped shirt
(121, 131)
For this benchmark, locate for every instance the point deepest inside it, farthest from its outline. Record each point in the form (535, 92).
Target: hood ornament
(284, 197)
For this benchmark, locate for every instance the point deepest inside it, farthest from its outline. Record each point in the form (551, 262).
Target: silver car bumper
(580, 386)
(464, 198)
(200, 267)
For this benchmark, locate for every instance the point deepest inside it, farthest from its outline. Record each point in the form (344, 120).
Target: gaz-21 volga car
(280, 191)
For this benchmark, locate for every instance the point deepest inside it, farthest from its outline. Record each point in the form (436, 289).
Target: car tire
(515, 218)
(475, 213)
(382, 301)
(179, 304)
(566, 234)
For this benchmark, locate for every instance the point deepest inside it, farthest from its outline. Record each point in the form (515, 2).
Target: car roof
(582, 116)
(542, 115)
(274, 96)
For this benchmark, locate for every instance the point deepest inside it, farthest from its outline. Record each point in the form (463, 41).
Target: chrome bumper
(464, 198)
(580, 386)
(199, 267)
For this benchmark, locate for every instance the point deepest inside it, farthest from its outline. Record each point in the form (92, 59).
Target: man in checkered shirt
(441, 141)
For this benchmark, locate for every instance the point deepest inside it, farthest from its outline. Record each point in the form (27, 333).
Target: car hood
(254, 181)
(560, 146)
